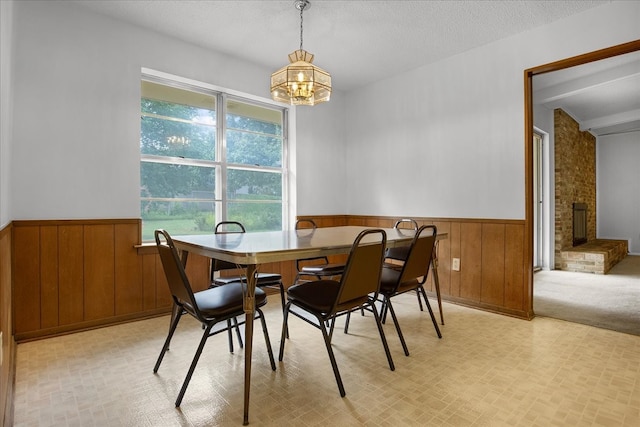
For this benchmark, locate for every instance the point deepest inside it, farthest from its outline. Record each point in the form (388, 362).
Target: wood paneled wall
(492, 262)
(77, 274)
(7, 367)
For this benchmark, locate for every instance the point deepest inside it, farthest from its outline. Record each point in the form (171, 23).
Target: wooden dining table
(249, 250)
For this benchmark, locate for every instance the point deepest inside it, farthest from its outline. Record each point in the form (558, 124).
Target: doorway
(533, 244)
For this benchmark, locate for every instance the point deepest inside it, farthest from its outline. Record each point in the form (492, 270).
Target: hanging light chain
(301, 5)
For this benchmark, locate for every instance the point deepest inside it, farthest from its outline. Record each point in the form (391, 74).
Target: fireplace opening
(579, 223)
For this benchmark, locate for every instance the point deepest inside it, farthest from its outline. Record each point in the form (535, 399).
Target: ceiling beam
(612, 120)
(585, 83)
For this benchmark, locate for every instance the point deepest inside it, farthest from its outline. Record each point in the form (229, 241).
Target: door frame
(586, 58)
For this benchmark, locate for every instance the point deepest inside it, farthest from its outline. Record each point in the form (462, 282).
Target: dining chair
(263, 280)
(209, 307)
(395, 257)
(399, 253)
(315, 267)
(410, 277)
(328, 299)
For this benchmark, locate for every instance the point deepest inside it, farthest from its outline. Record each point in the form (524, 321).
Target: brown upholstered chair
(209, 307)
(399, 253)
(411, 276)
(317, 267)
(328, 299)
(395, 257)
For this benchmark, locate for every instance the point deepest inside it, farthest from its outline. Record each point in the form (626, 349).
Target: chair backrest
(400, 253)
(225, 227)
(361, 276)
(179, 285)
(418, 261)
(406, 223)
(303, 224)
(308, 224)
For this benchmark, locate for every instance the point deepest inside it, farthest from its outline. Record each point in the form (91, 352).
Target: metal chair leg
(332, 358)
(239, 335)
(283, 301)
(172, 328)
(285, 326)
(265, 331)
(419, 300)
(397, 325)
(382, 335)
(346, 323)
(433, 318)
(230, 335)
(333, 324)
(193, 364)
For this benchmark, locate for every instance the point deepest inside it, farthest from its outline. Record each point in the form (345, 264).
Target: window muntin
(254, 135)
(195, 173)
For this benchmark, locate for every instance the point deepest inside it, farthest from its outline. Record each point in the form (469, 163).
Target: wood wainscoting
(492, 262)
(8, 344)
(70, 275)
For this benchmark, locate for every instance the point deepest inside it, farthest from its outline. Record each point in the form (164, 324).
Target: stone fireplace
(576, 246)
(575, 182)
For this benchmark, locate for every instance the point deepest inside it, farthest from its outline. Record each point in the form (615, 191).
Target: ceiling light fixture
(301, 82)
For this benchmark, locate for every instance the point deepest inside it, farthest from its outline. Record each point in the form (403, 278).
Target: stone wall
(575, 179)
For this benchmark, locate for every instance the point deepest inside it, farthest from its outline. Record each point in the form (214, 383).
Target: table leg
(249, 309)
(436, 283)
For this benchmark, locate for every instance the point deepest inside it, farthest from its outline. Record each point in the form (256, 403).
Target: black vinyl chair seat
(222, 301)
(318, 295)
(389, 281)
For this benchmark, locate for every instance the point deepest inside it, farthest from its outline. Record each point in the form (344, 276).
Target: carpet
(609, 301)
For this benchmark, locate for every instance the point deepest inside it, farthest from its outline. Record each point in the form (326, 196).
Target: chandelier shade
(300, 82)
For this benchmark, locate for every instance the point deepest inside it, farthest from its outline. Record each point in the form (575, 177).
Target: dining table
(249, 250)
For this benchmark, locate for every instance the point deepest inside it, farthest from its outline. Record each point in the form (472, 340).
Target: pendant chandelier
(301, 82)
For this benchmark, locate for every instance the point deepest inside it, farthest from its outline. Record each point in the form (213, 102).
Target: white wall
(618, 195)
(454, 129)
(322, 162)
(77, 107)
(6, 97)
(543, 123)
(447, 139)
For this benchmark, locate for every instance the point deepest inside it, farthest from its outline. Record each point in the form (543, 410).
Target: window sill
(146, 248)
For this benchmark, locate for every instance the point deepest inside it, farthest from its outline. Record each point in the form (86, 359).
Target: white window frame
(222, 95)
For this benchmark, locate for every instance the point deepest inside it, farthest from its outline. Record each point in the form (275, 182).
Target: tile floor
(487, 370)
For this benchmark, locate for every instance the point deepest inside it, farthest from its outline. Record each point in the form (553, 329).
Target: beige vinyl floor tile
(487, 370)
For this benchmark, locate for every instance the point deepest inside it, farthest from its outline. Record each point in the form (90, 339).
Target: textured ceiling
(358, 42)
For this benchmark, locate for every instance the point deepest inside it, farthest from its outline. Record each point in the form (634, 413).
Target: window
(207, 156)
